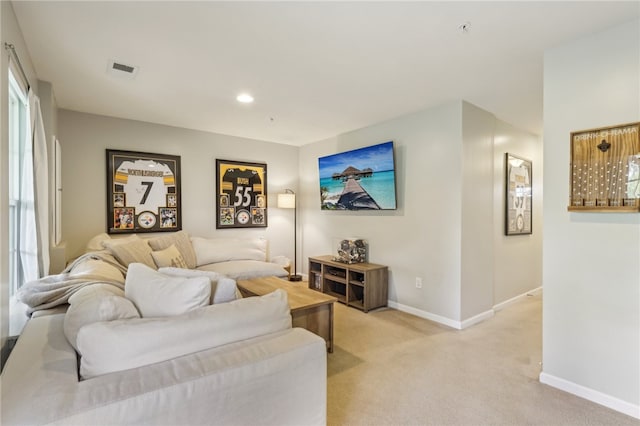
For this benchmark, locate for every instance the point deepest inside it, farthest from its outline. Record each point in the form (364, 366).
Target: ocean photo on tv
(362, 179)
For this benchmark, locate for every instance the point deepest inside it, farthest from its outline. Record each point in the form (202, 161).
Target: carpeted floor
(392, 368)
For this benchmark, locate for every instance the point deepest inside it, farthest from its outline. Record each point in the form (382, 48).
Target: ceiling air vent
(122, 70)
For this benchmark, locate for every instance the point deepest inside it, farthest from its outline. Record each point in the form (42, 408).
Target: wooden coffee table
(310, 309)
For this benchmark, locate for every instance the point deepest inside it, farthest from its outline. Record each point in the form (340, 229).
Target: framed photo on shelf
(241, 197)
(518, 195)
(143, 192)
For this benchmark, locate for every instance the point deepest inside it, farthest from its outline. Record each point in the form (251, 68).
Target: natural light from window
(19, 151)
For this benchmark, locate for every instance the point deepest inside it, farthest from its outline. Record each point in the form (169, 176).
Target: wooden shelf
(604, 209)
(360, 285)
(335, 278)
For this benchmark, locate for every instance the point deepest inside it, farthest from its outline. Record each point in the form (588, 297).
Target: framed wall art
(143, 192)
(241, 198)
(605, 170)
(518, 195)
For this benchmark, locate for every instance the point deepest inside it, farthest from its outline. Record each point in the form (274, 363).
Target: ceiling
(316, 69)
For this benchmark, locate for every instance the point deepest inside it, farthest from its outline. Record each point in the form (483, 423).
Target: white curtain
(34, 212)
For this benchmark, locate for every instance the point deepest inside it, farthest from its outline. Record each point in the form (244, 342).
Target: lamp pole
(288, 200)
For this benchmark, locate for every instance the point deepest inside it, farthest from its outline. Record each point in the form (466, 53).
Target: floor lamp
(287, 200)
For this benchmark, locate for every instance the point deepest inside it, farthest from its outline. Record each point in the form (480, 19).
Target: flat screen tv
(362, 179)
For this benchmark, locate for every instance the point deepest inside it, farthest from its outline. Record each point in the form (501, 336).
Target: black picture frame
(518, 212)
(241, 194)
(139, 187)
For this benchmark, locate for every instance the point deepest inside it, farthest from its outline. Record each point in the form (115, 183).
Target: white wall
(477, 212)
(85, 137)
(591, 272)
(443, 230)
(517, 258)
(422, 237)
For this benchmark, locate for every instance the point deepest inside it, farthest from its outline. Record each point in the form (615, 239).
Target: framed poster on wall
(518, 201)
(241, 197)
(143, 192)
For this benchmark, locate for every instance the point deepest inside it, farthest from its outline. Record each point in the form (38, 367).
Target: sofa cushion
(158, 295)
(94, 306)
(124, 344)
(245, 269)
(129, 250)
(169, 257)
(224, 249)
(182, 242)
(223, 289)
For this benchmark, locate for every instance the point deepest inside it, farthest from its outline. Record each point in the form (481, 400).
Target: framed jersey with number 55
(241, 198)
(143, 192)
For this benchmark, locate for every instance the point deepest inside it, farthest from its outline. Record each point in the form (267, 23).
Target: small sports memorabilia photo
(241, 197)
(123, 218)
(141, 187)
(168, 217)
(119, 200)
(226, 216)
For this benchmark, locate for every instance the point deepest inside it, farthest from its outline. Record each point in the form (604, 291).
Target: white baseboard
(513, 300)
(478, 318)
(591, 395)
(460, 325)
(426, 315)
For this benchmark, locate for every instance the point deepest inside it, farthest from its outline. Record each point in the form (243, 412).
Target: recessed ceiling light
(245, 98)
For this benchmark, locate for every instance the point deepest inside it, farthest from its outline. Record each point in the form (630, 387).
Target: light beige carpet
(391, 368)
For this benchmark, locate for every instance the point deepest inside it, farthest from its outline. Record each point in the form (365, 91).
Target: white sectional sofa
(155, 348)
(273, 379)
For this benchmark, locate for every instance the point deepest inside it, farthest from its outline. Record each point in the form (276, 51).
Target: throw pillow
(182, 242)
(225, 249)
(130, 250)
(100, 307)
(96, 243)
(158, 295)
(169, 257)
(124, 344)
(223, 289)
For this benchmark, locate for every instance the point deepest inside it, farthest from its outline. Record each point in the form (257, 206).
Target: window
(19, 150)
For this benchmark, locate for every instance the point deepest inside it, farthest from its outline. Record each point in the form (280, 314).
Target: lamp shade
(287, 201)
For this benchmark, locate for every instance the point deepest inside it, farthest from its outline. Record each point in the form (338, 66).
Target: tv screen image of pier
(361, 179)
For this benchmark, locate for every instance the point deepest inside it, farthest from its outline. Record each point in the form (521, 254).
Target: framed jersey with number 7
(143, 192)
(241, 197)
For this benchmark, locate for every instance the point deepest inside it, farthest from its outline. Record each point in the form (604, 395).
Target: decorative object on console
(143, 192)
(605, 169)
(518, 196)
(287, 200)
(241, 198)
(351, 250)
(361, 179)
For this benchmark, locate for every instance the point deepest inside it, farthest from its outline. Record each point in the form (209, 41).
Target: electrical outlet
(418, 282)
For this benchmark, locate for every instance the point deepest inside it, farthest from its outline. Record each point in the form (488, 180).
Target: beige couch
(273, 379)
(161, 351)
